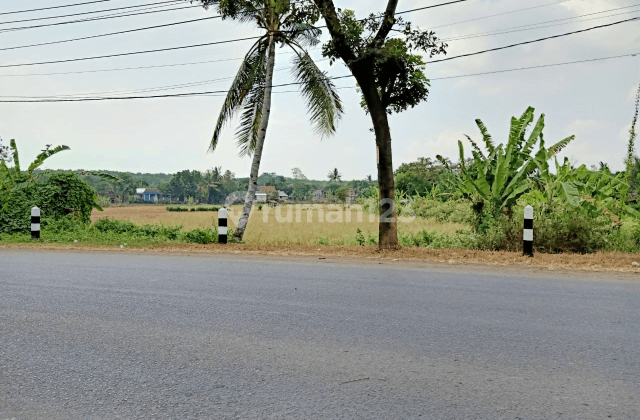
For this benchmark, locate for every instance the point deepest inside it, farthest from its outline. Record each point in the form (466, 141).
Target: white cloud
(581, 127)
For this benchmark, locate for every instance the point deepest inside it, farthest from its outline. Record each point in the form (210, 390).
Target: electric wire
(53, 7)
(222, 93)
(96, 18)
(110, 34)
(534, 41)
(175, 2)
(257, 37)
(500, 14)
(228, 41)
(533, 26)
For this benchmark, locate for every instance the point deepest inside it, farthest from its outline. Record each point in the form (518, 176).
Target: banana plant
(501, 175)
(14, 177)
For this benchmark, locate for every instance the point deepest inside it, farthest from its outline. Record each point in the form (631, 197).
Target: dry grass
(285, 225)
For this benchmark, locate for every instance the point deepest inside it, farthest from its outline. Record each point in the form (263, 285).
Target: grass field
(326, 225)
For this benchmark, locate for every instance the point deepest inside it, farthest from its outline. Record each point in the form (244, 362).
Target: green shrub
(454, 211)
(177, 209)
(322, 241)
(200, 236)
(60, 196)
(192, 209)
(465, 239)
(557, 229)
(129, 229)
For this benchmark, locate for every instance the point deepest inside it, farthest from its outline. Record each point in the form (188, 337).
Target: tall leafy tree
(286, 23)
(389, 76)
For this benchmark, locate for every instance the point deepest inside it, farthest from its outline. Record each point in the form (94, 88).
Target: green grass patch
(110, 232)
(192, 208)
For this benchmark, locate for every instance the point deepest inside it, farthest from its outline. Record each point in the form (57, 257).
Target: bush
(62, 195)
(130, 229)
(425, 239)
(192, 209)
(200, 236)
(455, 211)
(177, 208)
(557, 229)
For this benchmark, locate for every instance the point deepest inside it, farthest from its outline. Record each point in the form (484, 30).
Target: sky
(593, 101)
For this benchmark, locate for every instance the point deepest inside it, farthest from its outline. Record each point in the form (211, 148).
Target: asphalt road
(172, 336)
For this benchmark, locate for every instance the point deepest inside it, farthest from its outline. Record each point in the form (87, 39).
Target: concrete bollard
(222, 226)
(35, 223)
(528, 231)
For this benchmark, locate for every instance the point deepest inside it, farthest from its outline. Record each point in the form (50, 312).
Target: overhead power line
(53, 7)
(222, 93)
(175, 95)
(122, 68)
(257, 37)
(533, 41)
(96, 18)
(139, 67)
(430, 7)
(110, 34)
(499, 14)
(92, 12)
(536, 67)
(132, 53)
(155, 88)
(533, 26)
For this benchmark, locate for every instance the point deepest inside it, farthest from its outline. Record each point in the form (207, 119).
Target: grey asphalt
(128, 335)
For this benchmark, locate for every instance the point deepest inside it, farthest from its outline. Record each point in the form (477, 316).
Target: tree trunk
(388, 225)
(257, 154)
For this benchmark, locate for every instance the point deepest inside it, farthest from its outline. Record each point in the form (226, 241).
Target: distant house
(149, 195)
(319, 194)
(352, 196)
(111, 195)
(283, 195)
(261, 197)
(263, 193)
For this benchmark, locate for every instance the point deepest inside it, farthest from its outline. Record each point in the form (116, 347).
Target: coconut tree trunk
(257, 154)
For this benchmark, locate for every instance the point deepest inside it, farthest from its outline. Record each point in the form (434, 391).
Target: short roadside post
(222, 226)
(35, 223)
(528, 231)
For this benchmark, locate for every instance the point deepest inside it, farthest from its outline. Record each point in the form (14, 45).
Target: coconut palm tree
(283, 23)
(334, 175)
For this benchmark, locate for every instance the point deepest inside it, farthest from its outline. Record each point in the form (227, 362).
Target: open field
(285, 225)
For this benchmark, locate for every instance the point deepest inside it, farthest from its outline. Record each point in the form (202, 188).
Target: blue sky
(593, 100)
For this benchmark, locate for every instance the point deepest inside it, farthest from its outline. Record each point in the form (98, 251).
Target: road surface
(87, 335)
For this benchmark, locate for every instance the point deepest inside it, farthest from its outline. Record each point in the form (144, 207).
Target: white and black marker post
(528, 231)
(35, 223)
(222, 226)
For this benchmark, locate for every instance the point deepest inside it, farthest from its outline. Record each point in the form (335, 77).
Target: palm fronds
(242, 85)
(323, 102)
(247, 134)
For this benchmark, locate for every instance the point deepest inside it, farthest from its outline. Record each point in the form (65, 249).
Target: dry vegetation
(281, 226)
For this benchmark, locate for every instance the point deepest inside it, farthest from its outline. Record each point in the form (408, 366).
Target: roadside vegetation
(476, 204)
